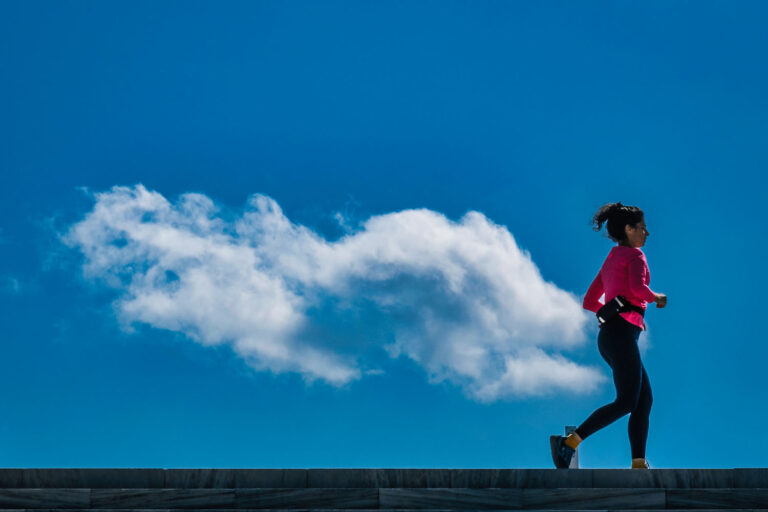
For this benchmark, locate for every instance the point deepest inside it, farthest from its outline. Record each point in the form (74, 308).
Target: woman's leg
(617, 342)
(638, 419)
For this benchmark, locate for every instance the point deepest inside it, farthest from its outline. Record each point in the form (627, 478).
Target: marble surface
(89, 478)
(612, 499)
(234, 478)
(360, 498)
(44, 498)
(163, 498)
(303, 509)
(664, 478)
(110, 478)
(412, 478)
(750, 477)
(477, 499)
(717, 498)
(349, 489)
(395, 498)
(300, 509)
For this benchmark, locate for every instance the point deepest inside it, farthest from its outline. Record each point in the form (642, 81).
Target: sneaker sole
(553, 449)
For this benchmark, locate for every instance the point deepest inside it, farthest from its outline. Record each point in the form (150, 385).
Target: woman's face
(636, 235)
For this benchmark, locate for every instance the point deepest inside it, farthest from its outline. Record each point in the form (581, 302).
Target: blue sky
(346, 124)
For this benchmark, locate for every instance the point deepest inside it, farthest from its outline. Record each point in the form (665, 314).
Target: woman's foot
(561, 452)
(640, 464)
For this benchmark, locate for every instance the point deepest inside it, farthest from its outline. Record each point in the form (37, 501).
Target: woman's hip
(619, 327)
(618, 339)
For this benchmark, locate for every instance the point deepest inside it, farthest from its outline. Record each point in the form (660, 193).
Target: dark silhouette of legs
(617, 343)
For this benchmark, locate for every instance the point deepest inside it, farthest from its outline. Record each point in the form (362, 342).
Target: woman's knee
(626, 404)
(645, 401)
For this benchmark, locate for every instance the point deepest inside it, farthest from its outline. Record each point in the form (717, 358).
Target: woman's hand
(661, 300)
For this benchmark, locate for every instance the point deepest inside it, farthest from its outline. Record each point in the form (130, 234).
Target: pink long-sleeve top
(625, 272)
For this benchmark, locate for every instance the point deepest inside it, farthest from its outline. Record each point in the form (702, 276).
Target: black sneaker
(561, 452)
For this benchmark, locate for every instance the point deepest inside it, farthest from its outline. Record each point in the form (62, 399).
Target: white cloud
(459, 298)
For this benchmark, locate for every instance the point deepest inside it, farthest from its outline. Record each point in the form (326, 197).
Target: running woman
(625, 272)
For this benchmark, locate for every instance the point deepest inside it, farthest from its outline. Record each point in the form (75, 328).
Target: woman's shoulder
(625, 252)
(627, 249)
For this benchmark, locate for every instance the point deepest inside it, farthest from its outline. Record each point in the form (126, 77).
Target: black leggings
(617, 342)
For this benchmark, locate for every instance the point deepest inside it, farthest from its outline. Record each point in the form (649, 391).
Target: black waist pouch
(615, 306)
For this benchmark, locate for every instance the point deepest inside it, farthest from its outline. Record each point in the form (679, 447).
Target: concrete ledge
(45, 498)
(611, 499)
(477, 499)
(717, 498)
(384, 498)
(152, 478)
(360, 510)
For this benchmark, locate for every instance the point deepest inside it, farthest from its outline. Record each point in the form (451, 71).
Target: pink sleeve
(592, 298)
(638, 271)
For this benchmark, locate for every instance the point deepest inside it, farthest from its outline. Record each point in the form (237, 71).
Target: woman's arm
(638, 271)
(592, 298)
